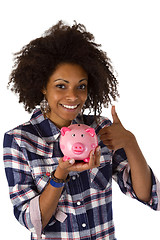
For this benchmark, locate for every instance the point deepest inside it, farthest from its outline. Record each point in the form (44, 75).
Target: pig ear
(91, 131)
(64, 130)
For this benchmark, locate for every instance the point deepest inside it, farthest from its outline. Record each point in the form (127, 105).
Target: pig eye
(82, 135)
(73, 135)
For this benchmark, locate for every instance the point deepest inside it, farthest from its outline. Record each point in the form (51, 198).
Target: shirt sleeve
(22, 189)
(121, 174)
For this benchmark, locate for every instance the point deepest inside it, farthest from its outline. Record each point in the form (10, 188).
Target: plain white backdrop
(129, 32)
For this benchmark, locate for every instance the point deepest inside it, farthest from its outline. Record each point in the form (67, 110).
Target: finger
(105, 137)
(103, 130)
(114, 115)
(110, 147)
(109, 144)
(66, 164)
(95, 158)
(98, 155)
(92, 159)
(79, 166)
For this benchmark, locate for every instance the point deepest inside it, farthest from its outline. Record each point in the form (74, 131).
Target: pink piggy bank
(77, 141)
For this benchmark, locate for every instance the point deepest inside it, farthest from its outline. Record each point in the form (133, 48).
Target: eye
(82, 86)
(73, 135)
(82, 135)
(62, 86)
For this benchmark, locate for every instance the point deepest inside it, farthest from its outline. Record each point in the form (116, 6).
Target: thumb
(114, 115)
(65, 163)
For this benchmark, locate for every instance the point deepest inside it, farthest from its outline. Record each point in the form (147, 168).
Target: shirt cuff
(36, 216)
(158, 193)
(154, 202)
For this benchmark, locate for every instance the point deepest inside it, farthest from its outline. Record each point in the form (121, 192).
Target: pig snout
(78, 148)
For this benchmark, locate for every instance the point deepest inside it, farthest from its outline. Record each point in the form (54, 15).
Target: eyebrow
(83, 79)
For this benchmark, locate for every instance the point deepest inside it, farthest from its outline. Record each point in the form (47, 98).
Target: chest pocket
(101, 177)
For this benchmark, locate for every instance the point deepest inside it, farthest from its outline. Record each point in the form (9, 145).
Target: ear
(91, 131)
(64, 130)
(44, 91)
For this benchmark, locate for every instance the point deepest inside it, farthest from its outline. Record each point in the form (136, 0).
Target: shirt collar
(45, 128)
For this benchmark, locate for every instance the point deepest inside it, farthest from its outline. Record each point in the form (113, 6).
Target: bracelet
(55, 184)
(57, 180)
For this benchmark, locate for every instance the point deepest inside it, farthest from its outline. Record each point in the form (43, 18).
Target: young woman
(65, 72)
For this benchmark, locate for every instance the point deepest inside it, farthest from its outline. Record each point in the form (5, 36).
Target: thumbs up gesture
(115, 136)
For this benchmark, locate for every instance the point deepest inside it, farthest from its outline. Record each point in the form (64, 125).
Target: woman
(65, 72)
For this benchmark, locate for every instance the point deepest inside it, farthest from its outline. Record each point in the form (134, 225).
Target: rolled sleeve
(36, 216)
(22, 188)
(122, 175)
(158, 193)
(154, 202)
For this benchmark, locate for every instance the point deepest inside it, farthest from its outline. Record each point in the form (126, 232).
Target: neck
(57, 123)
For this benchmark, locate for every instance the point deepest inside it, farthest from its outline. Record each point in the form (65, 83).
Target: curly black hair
(62, 43)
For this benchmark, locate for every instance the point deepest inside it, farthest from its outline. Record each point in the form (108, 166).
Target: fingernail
(71, 161)
(93, 153)
(98, 149)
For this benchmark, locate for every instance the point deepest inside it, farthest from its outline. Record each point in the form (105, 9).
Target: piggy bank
(77, 141)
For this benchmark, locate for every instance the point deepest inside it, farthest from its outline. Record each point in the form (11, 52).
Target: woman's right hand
(65, 167)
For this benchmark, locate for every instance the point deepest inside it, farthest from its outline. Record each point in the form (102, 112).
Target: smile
(70, 107)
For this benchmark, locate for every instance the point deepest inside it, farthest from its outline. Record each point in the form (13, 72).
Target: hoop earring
(44, 106)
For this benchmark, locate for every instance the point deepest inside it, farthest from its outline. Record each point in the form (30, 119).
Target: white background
(129, 33)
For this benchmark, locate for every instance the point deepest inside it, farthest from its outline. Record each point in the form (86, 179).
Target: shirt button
(83, 225)
(78, 203)
(48, 174)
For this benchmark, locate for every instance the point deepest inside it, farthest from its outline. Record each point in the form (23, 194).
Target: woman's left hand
(115, 136)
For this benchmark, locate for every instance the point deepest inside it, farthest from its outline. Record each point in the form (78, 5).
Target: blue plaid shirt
(31, 152)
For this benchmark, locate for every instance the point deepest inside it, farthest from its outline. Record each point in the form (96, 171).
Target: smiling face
(66, 93)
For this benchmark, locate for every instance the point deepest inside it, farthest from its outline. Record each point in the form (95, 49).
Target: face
(66, 93)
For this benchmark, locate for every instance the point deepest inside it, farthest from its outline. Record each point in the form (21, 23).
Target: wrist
(61, 173)
(58, 182)
(130, 141)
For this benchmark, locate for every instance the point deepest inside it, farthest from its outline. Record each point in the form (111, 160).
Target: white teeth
(70, 107)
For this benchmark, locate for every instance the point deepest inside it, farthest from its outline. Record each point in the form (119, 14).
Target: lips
(70, 107)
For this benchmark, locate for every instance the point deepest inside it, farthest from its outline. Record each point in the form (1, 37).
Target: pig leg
(86, 160)
(65, 158)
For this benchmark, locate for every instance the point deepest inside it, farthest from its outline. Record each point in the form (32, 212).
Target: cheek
(52, 97)
(84, 96)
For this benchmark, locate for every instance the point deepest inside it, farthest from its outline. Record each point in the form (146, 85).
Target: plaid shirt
(84, 211)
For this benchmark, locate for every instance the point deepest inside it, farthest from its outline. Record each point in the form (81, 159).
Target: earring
(44, 106)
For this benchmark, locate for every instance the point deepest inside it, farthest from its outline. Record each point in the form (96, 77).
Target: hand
(115, 136)
(64, 168)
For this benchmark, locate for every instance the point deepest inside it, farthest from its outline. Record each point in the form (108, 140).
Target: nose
(78, 148)
(71, 95)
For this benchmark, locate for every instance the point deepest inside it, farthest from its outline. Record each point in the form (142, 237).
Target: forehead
(68, 71)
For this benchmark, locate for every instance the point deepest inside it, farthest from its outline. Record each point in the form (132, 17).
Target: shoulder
(29, 127)
(33, 136)
(97, 125)
(21, 133)
(24, 128)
